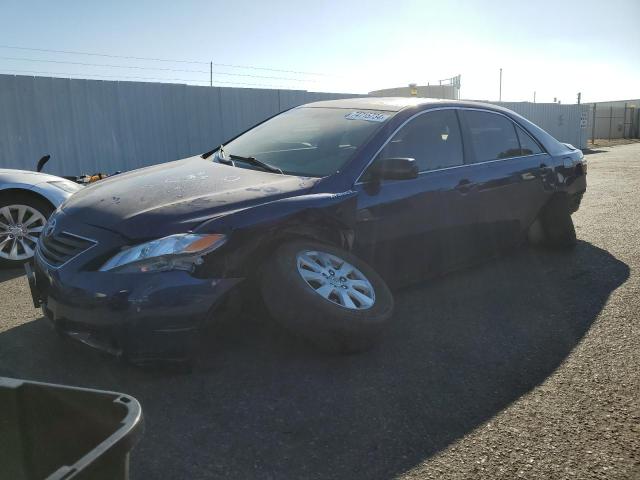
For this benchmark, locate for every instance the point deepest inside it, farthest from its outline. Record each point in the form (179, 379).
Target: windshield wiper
(229, 160)
(258, 163)
(222, 157)
(218, 150)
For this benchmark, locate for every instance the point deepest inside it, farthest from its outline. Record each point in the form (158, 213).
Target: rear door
(507, 178)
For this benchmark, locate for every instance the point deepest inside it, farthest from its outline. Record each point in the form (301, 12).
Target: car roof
(396, 104)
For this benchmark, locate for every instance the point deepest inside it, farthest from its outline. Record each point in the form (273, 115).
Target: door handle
(464, 186)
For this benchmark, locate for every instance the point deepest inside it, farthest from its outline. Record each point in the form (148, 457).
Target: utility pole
(211, 74)
(579, 95)
(534, 96)
(500, 93)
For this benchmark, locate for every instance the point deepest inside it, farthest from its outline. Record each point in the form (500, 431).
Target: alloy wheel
(20, 227)
(335, 279)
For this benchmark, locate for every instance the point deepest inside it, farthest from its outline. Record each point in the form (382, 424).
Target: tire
(556, 225)
(326, 322)
(16, 250)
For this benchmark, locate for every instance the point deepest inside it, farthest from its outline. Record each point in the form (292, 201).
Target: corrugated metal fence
(102, 126)
(611, 120)
(92, 126)
(567, 123)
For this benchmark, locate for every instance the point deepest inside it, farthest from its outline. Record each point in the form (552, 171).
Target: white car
(26, 201)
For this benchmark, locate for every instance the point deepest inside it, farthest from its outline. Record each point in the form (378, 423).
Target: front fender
(254, 232)
(335, 205)
(53, 195)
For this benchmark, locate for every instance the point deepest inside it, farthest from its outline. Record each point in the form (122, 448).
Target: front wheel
(326, 295)
(22, 219)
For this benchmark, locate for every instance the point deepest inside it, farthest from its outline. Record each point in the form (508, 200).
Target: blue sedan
(322, 208)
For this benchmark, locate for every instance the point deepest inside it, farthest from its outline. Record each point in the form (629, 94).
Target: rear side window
(493, 136)
(528, 145)
(433, 139)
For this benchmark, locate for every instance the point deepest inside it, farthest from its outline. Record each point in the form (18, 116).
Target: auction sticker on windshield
(368, 116)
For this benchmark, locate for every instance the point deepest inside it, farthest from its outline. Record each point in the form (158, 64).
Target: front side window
(433, 139)
(493, 136)
(309, 141)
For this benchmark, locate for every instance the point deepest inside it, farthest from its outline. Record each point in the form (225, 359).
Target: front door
(409, 228)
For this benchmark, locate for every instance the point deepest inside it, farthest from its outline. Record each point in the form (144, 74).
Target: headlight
(68, 187)
(176, 252)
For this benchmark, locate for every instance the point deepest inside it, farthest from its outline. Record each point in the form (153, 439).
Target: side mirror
(394, 169)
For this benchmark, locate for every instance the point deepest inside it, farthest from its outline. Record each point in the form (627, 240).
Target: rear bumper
(575, 200)
(576, 188)
(142, 317)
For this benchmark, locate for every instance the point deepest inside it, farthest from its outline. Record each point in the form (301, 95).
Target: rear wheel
(554, 227)
(326, 295)
(22, 219)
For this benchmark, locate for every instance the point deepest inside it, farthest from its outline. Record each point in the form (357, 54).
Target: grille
(61, 247)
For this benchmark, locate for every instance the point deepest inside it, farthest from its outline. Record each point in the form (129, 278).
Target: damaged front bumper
(142, 317)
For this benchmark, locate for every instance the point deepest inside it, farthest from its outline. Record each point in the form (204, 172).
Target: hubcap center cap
(16, 230)
(333, 280)
(331, 277)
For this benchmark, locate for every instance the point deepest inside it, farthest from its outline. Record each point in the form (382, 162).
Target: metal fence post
(624, 122)
(610, 121)
(593, 125)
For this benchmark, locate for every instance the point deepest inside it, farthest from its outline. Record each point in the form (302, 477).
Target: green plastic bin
(59, 432)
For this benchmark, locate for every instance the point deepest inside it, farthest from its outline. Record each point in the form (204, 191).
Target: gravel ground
(605, 142)
(526, 366)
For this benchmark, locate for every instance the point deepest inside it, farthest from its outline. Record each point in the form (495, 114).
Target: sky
(552, 47)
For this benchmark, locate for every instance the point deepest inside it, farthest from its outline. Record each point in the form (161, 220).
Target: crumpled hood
(177, 196)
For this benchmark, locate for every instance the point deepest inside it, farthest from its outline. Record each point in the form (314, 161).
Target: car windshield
(309, 141)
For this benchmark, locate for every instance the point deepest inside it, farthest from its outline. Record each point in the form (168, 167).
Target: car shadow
(260, 405)
(10, 273)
